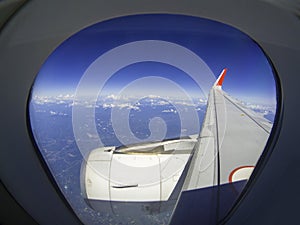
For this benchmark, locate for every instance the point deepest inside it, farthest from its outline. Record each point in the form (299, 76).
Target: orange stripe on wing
(235, 170)
(220, 81)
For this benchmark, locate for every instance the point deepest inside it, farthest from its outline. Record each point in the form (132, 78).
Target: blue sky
(249, 75)
(135, 71)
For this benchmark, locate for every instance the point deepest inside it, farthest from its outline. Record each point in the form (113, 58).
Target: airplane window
(139, 117)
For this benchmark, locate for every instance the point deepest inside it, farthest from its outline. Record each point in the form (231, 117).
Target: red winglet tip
(221, 78)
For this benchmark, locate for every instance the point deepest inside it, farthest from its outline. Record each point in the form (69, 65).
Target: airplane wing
(230, 143)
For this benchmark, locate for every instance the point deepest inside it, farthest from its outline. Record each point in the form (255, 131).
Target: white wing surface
(231, 141)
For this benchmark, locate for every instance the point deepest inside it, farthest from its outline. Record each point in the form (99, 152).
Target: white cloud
(153, 96)
(162, 102)
(112, 96)
(203, 100)
(169, 111)
(260, 107)
(105, 105)
(53, 113)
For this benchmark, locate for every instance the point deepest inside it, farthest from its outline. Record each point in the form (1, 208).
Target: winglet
(220, 80)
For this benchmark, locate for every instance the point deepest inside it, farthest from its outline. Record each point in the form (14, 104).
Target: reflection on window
(133, 112)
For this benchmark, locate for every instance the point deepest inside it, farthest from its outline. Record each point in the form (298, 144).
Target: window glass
(130, 113)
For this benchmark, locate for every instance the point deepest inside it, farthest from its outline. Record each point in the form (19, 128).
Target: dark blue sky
(249, 75)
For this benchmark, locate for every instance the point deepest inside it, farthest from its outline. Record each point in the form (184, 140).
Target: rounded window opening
(141, 117)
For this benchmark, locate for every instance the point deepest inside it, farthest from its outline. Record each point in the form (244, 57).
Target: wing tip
(220, 80)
